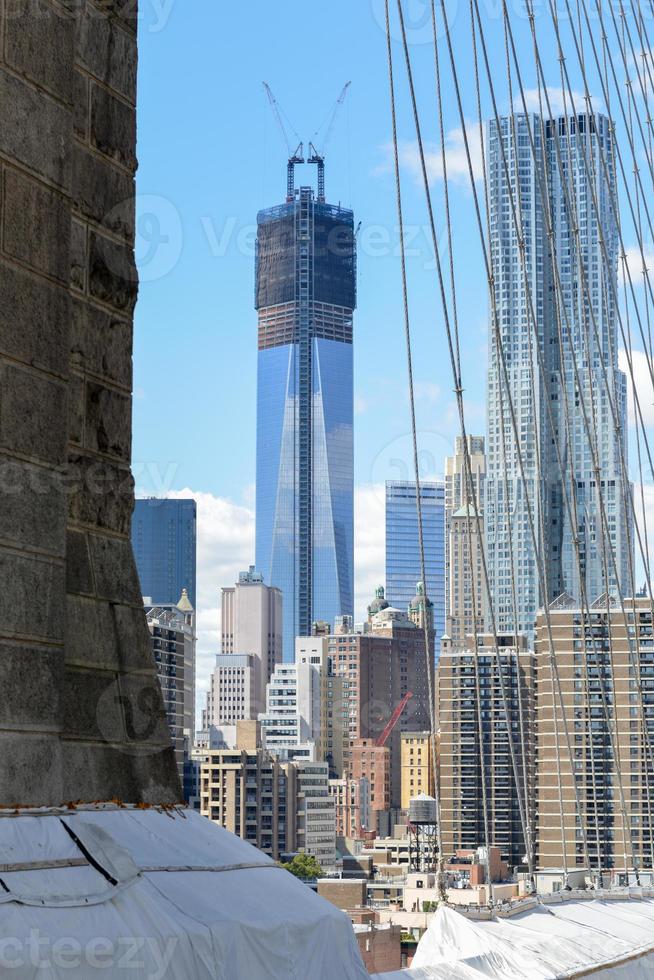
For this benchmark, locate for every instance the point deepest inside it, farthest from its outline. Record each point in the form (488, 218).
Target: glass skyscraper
(403, 569)
(164, 535)
(305, 298)
(566, 334)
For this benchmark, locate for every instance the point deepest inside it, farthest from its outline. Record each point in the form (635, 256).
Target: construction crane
(318, 157)
(393, 720)
(294, 156)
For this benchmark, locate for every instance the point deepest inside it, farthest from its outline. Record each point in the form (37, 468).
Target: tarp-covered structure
(160, 894)
(602, 938)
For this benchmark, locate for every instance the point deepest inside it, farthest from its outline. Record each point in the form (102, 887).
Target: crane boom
(296, 156)
(393, 720)
(339, 102)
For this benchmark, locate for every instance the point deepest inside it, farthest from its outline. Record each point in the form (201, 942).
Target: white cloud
(634, 261)
(455, 157)
(369, 544)
(560, 101)
(226, 547)
(643, 381)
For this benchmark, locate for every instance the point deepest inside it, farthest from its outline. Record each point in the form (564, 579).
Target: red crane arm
(393, 720)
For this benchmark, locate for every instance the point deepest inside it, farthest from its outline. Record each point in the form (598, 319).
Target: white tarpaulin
(158, 895)
(603, 938)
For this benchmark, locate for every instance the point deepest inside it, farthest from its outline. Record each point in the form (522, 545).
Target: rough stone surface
(37, 703)
(35, 129)
(81, 711)
(30, 406)
(113, 127)
(27, 38)
(36, 225)
(29, 310)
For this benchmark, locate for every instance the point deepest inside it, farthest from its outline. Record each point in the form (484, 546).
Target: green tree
(304, 866)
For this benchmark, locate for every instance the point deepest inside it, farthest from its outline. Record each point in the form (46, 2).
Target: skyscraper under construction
(305, 298)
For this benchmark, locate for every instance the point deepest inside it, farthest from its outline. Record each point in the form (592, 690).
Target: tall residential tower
(305, 298)
(569, 290)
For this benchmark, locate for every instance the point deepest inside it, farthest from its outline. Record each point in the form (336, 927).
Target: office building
(462, 493)
(473, 685)
(172, 632)
(605, 670)
(403, 565)
(378, 668)
(305, 298)
(511, 554)
(467, 593)
(232, 693)
(251, 623)
(164, 536)
(416, 759)
(351, 805)
(302, 702)
(280, 807)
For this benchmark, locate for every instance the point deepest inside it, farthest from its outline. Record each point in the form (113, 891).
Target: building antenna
(294, 156)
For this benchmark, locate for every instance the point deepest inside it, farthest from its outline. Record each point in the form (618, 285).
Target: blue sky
(210, 155)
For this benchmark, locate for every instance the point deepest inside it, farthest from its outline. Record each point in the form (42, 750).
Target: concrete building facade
(378, 668)
(172, 632)
(605, 667)
(474, 748)
(459, 494)
(251, 623)
(467, 593)
(416, 760)
(280, 807)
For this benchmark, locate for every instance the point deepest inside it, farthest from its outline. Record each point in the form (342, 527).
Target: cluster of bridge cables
(607, 43)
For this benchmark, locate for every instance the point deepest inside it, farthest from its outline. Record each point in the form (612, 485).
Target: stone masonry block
(90, 633)
(143, 708)
(113, 127)
(78, 259)
(34, 318)
(36, 225)
(134, 642)
(79, 577)
(97, 771)
(21, 756)
(112, 274)
(30, 598)
(92, 706)
(33, 507)
(31, 682)
(108, 52)
(76, 408)
(114, 569)
(101, 343)
(101, 493)
(108, 421)
(29, 34)
(81, 91)
(103, 193)
(36, 130)
(31, 411)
